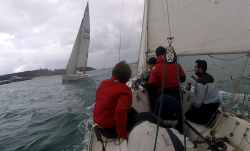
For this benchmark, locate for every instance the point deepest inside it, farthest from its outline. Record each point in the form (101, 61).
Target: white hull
(73, 77)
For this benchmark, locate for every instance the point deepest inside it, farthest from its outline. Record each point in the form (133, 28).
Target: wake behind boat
(76, 67)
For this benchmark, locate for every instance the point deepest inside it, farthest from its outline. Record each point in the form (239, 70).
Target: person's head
(122, 71)
(171, 110)
(151, 62)
(160, 51)
(200, 66)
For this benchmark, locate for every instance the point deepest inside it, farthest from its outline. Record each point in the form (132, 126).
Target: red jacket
(171, 78)
(112, 103)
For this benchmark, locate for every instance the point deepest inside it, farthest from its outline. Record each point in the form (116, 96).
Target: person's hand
(191, 105)
(195, 78)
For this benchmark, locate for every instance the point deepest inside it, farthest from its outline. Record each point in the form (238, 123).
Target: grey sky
(41, 33)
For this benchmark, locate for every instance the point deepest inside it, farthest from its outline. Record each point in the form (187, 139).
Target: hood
(160, 59)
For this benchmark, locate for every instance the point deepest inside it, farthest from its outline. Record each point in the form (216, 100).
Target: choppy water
(48, 115)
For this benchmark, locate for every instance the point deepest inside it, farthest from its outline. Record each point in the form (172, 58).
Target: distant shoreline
(41, 77)
(39, 73)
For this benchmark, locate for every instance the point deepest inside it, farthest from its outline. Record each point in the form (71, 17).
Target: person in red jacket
(171, 83)
(114, 100)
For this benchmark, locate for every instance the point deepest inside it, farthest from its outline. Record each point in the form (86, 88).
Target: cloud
(6, 39)
(44, 31)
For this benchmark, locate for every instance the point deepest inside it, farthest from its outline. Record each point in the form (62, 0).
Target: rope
(167, 15)
(168, 21)
(229, 59)
(120, 33)
(244, 83)
(181, 105)
(131, 30)
(161, 98)
(162, 88)
(235, 91)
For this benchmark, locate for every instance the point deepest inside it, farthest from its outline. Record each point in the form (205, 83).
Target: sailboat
(198, 27)
(104, 65)
(77, 63)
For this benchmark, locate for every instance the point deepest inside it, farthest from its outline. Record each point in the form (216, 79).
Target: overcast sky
(40, 33)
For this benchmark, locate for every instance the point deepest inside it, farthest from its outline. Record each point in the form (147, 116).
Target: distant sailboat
(77, 63)
(104, 65)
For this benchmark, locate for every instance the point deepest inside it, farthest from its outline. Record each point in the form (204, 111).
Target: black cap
(152, 60)
(160, 51)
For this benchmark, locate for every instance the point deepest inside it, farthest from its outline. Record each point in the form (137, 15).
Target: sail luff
(85, 39)
(141, 65)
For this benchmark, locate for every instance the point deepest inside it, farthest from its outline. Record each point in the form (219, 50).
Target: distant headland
(38, 73)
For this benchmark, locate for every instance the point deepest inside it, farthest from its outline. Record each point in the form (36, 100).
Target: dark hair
(152, 60)
(160, 51)
(122, 71)
(202, 64)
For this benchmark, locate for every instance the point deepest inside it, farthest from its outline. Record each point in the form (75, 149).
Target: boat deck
(200, 132)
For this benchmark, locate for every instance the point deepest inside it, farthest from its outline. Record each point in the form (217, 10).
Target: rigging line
(131, 29)
(167, 16)
(240, 143)
(244, 83)
(222, 122)
(205, 129)
(161, 99)
(229, 59)
(181, 96)
(247, 140)
(120, 33)
(233, 84)
(230, 73)
(169, 22)
(238, 83)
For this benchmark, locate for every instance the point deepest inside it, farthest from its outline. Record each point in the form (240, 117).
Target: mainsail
(199, 27)
(79, 54)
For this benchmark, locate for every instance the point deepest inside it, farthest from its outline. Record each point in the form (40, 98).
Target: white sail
(79, 54)
(83, 54)
(73, 59)
(200, 26)
(141, 64)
